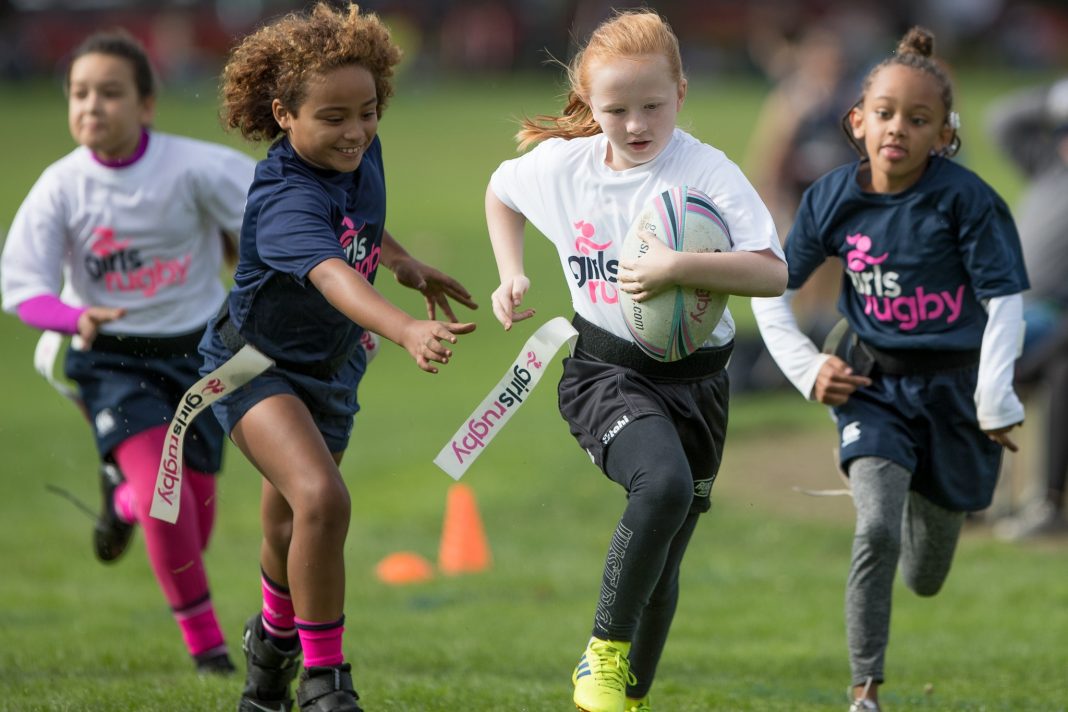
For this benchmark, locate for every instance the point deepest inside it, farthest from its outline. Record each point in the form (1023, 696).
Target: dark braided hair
(915, 50)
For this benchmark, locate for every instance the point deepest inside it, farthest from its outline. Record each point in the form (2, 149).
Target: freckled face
(104, 111)
(901, 120)
(635, 101)
(337, 120)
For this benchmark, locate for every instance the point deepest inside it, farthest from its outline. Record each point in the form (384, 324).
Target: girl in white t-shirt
(657, 429)
(119, 244)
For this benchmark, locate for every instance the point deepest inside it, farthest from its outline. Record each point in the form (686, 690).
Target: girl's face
(901, 120)
(337, 121)
(104, 111)
(635, 101)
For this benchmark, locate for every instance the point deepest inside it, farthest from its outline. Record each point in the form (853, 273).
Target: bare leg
(305, 507)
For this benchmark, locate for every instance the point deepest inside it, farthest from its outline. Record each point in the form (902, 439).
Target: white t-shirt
(585, 208)
(146, 237)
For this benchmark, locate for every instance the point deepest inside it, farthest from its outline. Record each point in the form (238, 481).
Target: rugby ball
(676, 322)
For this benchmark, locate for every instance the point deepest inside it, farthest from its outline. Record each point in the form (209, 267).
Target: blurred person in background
(118, 244)
(797, 139)
(1031, 128)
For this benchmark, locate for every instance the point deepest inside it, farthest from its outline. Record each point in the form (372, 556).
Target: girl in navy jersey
(921, 383)
(118, 244)
(656, 429)
(312, 241)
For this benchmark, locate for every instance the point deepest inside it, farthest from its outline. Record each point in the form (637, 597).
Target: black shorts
(132, 384)
(598, 399)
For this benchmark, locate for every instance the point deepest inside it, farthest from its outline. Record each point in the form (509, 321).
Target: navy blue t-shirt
(917, 263)
(296, 217)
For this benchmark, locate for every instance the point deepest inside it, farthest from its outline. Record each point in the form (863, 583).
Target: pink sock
(124, 503)
(200, 629)
(321, 642)
(174, 550)
(279, 621)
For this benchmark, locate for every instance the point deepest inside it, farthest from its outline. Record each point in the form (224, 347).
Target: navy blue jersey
(296, 217)
(917, 263)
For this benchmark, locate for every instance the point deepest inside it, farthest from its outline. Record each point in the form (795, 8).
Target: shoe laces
(609, 666)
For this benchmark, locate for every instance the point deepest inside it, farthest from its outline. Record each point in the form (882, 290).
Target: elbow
(774, 284)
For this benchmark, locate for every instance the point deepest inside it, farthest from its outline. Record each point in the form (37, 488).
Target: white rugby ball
(676, 322)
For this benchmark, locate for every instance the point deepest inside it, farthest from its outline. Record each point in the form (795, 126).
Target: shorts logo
(105, 422)
(851, 433)
(614, 430)
(702, 489)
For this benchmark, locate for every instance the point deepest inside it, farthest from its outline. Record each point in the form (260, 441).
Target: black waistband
(149, 346)
(233, 340)
(919, 362)
(600, 345)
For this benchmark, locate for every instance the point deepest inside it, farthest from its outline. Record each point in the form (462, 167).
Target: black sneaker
(269, 673)
(110, 534)
(328, 689)
(214, 663)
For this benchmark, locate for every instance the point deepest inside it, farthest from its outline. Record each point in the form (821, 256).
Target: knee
(880, 538)
(324, 504)
(921, 587)
(925, 584)
(670, 494)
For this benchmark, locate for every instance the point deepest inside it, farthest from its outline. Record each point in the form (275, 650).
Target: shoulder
(65, 173)
(834, 185)
(961, 184)
(193, 151)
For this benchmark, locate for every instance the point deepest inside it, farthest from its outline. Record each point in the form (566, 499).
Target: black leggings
(640, 586)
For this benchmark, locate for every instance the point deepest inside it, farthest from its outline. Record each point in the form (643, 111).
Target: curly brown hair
(277, 60)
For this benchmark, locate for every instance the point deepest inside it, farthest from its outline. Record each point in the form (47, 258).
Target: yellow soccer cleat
(602, 675)
(641, 705)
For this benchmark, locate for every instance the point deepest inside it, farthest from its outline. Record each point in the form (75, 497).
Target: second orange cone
(464, 548)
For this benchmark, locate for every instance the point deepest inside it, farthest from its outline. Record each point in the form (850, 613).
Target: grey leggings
(893, 524)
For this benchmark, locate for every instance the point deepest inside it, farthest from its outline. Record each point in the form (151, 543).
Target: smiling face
(635, 101)
(901, 120)
(104, 111)
(337, 120)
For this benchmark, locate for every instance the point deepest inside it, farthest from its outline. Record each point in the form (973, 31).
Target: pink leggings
(174, 550)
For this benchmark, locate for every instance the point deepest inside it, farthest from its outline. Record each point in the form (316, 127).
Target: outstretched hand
(650, 272)
(423, 341)
(436, 287)
(836, 382)
(506, 300)
(90, 320)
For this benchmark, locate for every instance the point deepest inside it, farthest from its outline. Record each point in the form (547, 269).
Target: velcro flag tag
(506, 397)
(242, 367)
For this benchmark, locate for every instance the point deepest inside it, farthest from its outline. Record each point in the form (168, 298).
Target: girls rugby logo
(360, 252)
(882, 293)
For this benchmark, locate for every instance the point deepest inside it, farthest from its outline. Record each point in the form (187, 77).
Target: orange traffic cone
(464, 548)
(404, 567)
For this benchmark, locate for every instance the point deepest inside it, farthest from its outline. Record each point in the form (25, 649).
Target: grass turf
(760, 622)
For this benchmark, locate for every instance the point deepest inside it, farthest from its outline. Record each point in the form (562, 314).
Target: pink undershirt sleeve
(48, 312)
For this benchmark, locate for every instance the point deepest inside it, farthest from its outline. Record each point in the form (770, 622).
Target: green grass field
(760, 622)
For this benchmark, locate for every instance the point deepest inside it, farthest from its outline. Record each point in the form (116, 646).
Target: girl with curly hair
(313, 236)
